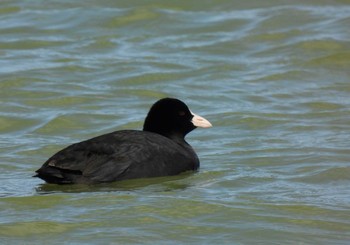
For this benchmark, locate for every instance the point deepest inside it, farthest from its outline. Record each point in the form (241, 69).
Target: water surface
(272, 76)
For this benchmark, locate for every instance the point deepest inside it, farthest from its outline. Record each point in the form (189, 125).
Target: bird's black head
(172, 118)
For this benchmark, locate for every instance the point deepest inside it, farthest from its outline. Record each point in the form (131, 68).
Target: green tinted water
(272, 77)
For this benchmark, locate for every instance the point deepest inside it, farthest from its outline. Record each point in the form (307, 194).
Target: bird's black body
(159, 150)
(126, 154)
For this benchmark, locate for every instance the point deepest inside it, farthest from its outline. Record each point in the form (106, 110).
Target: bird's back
(119, 155)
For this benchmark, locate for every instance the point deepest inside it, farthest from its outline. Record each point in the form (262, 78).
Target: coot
(159, 149)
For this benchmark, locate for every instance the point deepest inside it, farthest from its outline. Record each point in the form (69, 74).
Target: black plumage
(158, 150)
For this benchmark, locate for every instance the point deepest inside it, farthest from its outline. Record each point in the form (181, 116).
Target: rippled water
(272, 76)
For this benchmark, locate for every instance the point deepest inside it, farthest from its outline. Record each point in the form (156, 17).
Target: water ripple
(271, 76)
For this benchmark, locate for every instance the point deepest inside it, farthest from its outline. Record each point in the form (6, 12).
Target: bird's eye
(181, 113)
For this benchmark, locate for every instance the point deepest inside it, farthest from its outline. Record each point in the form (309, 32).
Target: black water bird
(159, 149)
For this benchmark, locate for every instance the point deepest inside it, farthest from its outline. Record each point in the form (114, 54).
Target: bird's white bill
(201, 122)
